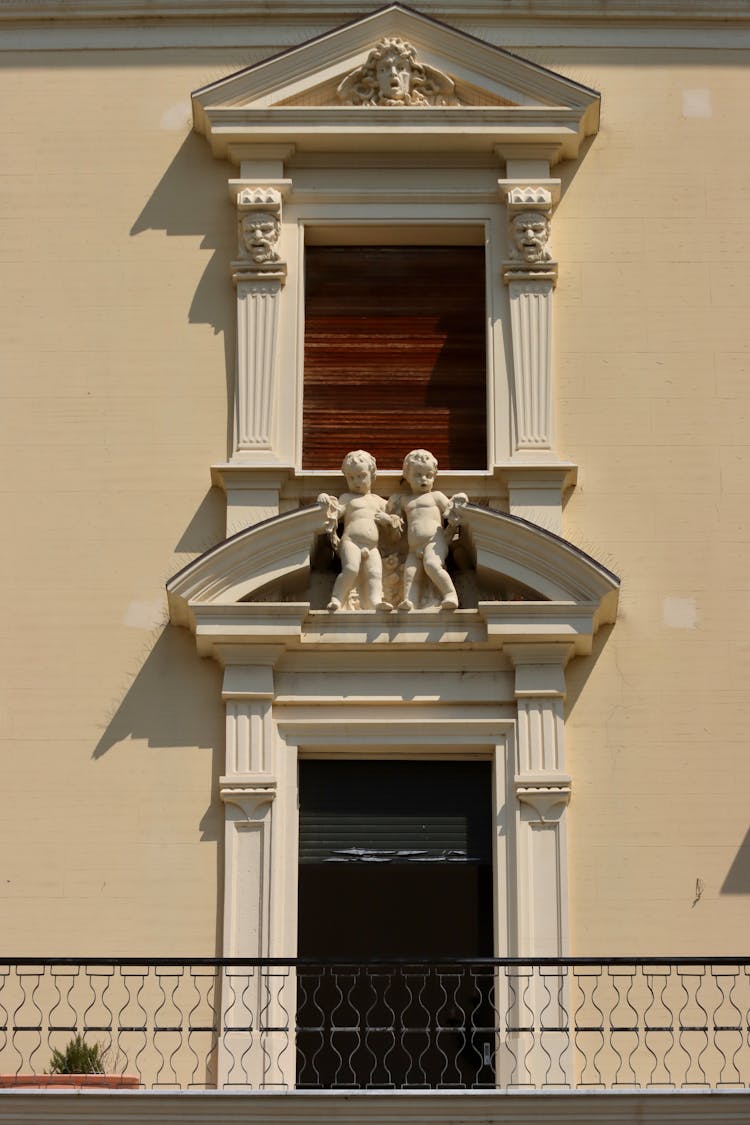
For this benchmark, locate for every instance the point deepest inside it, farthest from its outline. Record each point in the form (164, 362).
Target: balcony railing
(410, 1024)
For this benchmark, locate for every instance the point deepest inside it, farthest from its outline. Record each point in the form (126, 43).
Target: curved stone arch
(500, 545)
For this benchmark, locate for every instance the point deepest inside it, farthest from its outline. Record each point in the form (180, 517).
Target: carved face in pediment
(392, 75)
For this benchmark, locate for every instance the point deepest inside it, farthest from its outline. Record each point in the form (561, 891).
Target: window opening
(395, 861)
(395, 350)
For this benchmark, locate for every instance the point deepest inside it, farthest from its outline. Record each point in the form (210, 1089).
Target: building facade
(272, 238)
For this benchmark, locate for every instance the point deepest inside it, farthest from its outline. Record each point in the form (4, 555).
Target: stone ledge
(546, 1107)
(676, 12)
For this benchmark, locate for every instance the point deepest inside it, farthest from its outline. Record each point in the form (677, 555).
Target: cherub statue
(362, 513)
(426, 514)
(391, 75)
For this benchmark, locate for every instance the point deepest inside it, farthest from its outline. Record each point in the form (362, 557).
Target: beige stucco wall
(116, 335)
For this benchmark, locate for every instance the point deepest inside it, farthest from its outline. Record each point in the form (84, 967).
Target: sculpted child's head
(420, 469)
(360, 469)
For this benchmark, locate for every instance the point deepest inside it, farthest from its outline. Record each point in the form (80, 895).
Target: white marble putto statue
(363, 514)
(430, 519)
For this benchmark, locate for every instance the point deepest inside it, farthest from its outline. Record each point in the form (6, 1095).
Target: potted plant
(79, 1064)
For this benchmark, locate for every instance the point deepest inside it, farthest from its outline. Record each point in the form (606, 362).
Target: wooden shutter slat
(395, 354)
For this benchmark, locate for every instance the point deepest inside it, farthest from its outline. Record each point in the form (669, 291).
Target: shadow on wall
(175, 700)
(579, 670)
(206, 528)
(191, 200)
(737, 881)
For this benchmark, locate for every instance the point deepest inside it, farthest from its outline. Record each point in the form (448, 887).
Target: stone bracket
(249, 794)
(547, 795)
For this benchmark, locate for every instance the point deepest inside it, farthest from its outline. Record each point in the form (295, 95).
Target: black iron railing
(406, 1024)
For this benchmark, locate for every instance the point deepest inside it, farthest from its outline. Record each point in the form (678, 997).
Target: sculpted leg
(372, 568)
(410, 573)
(344, 584)
(435, 570)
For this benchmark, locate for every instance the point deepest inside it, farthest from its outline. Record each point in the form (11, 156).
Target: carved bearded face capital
(259, 236)
(529, 232)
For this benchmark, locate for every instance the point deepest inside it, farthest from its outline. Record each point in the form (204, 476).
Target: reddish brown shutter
(395, 354)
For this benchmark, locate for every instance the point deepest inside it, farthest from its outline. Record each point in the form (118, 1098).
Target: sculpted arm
(333, 511)
(454, 511)
(393, 515)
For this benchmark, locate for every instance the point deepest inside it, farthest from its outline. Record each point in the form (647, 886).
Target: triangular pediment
(469, 84)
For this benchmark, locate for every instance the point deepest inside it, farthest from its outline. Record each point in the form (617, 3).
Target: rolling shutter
(395, 354)
(386, 812)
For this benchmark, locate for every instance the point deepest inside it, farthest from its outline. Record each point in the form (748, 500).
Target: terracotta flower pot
(69, 1081)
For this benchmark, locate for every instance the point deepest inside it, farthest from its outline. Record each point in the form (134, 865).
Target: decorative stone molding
(393, 76)
(520, 198)
(529, 235)
(543, 799)
(250, 797)
(291, 98)
(627, 12)
(257, 338)
(258, 274)
(542, 788)
(531, 330)
(258, 231)
(576, 594)
(253, 494)
(531, 275)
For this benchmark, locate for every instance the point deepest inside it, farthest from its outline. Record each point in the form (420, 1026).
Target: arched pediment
(562, 583)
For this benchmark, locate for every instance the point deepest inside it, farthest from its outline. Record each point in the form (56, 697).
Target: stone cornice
(587, 12)
(358, 1107)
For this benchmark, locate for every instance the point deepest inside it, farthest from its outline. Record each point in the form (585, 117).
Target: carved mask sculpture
(260, 234)
(393, 76)
(530, 233)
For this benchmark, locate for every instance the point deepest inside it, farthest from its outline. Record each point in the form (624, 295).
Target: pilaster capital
(259, 232)
(253, 679)
(547, 794)
(258, 161)
(540, 669)
(250, 793)
(266, 196)
(534, 193)
(530, 278)
(529, 204)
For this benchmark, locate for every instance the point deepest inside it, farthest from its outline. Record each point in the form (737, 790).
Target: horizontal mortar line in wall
(298, 12)
(56, 39)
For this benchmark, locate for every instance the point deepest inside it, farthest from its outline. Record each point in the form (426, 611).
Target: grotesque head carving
(393, 76)
(259, 235)
(529, 231)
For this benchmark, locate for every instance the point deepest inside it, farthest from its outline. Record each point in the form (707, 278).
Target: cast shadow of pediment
(173, 701)
(207, 526)
(191, 201)
(579, 670)
(737, 881)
